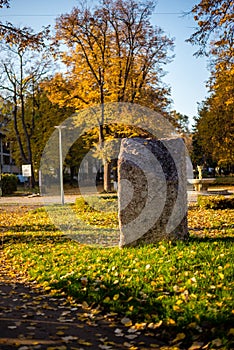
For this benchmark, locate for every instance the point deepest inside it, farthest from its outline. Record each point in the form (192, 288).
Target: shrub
(101, 203)
(216, 202)
(8, 183)
(101, 210)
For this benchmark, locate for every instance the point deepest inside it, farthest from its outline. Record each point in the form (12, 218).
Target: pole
(60, 127)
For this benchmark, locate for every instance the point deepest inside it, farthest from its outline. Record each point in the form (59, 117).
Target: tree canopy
(22, 68)
(112, 53)
(115, 54)
(215, 125)
(214, 129)
(25, 35)
(214, 25)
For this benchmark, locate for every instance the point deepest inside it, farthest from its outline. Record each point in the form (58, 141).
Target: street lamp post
(60, 127)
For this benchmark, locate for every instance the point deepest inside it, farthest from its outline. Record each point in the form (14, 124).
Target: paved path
(33, 319)
(69, 198)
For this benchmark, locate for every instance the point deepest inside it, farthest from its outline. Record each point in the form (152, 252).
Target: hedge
(216, 202)
(8, 183)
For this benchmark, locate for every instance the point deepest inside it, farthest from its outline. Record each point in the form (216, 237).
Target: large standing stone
(152, 190)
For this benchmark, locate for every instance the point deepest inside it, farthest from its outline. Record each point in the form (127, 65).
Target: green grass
(225, 180)
(184, 284)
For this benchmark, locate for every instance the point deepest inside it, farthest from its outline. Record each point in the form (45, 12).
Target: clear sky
(186, 74)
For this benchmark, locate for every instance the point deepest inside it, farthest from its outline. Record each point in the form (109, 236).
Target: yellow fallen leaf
(231, 331)
(192, 325)
(116, 297)
(47, 288)
(155, 325)
(176, 308)
(193, 279)
(221, 275)
(84, 342)
(106, 300)
(219, 304)
(179, 336)
(217, 342)
(196, 345)
(129, 299)
(139, 325)
(60, 333)
(126, 321)
(85, 305)
(171, 322)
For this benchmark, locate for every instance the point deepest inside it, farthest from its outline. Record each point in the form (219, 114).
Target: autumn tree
(214, 24)
(12, 35)
(215, 125)
(115, 55)
(21, 71)
(214, 128)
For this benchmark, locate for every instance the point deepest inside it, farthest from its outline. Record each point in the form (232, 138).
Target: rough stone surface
(152, 190)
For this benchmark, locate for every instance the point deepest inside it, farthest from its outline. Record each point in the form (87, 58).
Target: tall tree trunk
(107, 176)
(107, 163)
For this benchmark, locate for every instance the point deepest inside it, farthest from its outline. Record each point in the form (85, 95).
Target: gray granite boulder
(152, 190)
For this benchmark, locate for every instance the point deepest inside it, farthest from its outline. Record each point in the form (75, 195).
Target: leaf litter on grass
(172, 289)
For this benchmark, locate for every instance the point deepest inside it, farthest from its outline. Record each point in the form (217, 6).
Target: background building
(6, 162)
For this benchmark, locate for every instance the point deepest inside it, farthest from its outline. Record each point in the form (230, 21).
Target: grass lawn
(183, 288)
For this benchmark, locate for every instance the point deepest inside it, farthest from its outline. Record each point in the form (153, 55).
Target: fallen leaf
(171, 322)
(69, 338)
(126, 321)
(60, 333)
(196, 345)
(117, 330)
(131, 336)
(139, 326)
(231, 331)
(116, 297)
(84, 342)
(217, 342)
(221, 275)
(85, 305)
(179, 336)
(155, 325)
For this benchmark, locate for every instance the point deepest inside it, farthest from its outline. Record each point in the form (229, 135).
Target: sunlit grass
(183, 284)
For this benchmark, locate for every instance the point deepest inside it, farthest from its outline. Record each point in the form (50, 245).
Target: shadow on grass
(204, 239)
(99, 237)
(31, 302)
(211, 326)
(32, 238)
(29, 228)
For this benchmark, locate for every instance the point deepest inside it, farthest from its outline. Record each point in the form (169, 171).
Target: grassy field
(183, 288)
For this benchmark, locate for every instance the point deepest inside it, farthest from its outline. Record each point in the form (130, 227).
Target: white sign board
(26, 170)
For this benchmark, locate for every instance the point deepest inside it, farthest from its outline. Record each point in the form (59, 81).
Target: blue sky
(186, 74)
